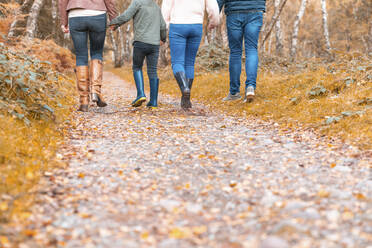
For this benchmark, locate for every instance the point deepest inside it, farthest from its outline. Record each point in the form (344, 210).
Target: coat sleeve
(163, 29)
(213, 12)
(127, 15)
(62, 9)
(166, 9)
(111, 9)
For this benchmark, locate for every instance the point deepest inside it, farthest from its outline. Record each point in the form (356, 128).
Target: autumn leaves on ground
(38, 102)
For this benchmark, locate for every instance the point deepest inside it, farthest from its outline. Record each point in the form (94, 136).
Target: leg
(177, 43)
(79, 36)
(97, 35)
(139, 54)
(235, 37)
(152, 67)
(177, 40)
(251, 34)
(192, 47)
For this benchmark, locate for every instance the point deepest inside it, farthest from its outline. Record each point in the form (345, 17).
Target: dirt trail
(165, 178)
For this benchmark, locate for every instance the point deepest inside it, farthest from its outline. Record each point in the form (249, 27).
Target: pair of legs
(184, 40)
(142, 51)
(245, 26)
(81, 28)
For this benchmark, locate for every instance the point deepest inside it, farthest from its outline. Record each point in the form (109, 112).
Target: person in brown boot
(87, 19)
(82, 80)
(96, 70)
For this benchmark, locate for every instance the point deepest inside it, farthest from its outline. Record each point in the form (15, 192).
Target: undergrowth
(334, 98)
(35, 101)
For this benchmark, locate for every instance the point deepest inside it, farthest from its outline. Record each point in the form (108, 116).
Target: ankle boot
(141, 97)
(154, 89)
(96, 71)
(190, 81)
(82, 81)
(185, 90)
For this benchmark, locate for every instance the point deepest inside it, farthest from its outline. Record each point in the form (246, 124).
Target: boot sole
(98, 101)
(249, 99)
(139, 102)
(185, 100)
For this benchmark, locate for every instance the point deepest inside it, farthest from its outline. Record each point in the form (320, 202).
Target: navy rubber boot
(185, 89)
(154, 89)
(141, 97)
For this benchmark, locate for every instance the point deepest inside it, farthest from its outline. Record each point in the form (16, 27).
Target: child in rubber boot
(149, 30)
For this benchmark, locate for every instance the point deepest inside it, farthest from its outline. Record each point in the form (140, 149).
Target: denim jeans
(80, 29)
(143, 50)
(184, 41)
(239, 26)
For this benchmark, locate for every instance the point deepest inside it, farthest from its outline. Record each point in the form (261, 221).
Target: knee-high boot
(154, 89)
(141, 97)
(185, 89)
(82, 81)
(96, 71)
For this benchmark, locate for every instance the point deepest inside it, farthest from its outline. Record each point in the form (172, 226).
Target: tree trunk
(20, 14)
(127, 44)
(116, 50)
(54, 17)
(278, 31)
(273, 22)
(296, 27)
(325, 25)
(32, 19)
(122, 51)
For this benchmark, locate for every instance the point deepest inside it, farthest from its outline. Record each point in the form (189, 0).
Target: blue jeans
(239, 26)
(80, 29)
(143, 50)
(184, 41)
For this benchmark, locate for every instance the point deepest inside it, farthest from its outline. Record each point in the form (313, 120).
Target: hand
(65, 29)
(211, 26)
(162, 43)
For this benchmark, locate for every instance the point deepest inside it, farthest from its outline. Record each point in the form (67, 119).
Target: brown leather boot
(96, 71)
(82, 76)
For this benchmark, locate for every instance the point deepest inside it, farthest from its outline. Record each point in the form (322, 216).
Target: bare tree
(54, 16)
(296, 25)
(325, 25)
(20, 14)
(278, 30)
(122, 51)
(32, 18)
(116, 52)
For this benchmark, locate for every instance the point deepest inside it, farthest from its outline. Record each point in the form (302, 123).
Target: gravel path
(169, 179)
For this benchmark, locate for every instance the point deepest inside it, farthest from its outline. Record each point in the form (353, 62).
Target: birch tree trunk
(296, 27)
(278, 31)
(19, 14)
(122, 51)
(54, 17)
(32, 19)
(325, 25)
(116, 54)
(127, 44)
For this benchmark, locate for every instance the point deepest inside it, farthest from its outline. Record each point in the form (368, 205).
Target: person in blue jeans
(185, 20)
(243, 22)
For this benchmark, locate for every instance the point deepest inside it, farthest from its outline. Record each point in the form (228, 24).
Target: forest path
(166, 178)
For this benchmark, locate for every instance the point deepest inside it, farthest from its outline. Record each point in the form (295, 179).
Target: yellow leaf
(81, 175)
(360, 196)
(29, 232)
(187, 185)
(4, 241)
(323, 193)
(144, 235)
(198, 230)
(3, 206)
(29, 175)
(333, 165)
(178, 233)
(120, 172)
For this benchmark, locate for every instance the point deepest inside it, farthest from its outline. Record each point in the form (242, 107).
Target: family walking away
(184, 21)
